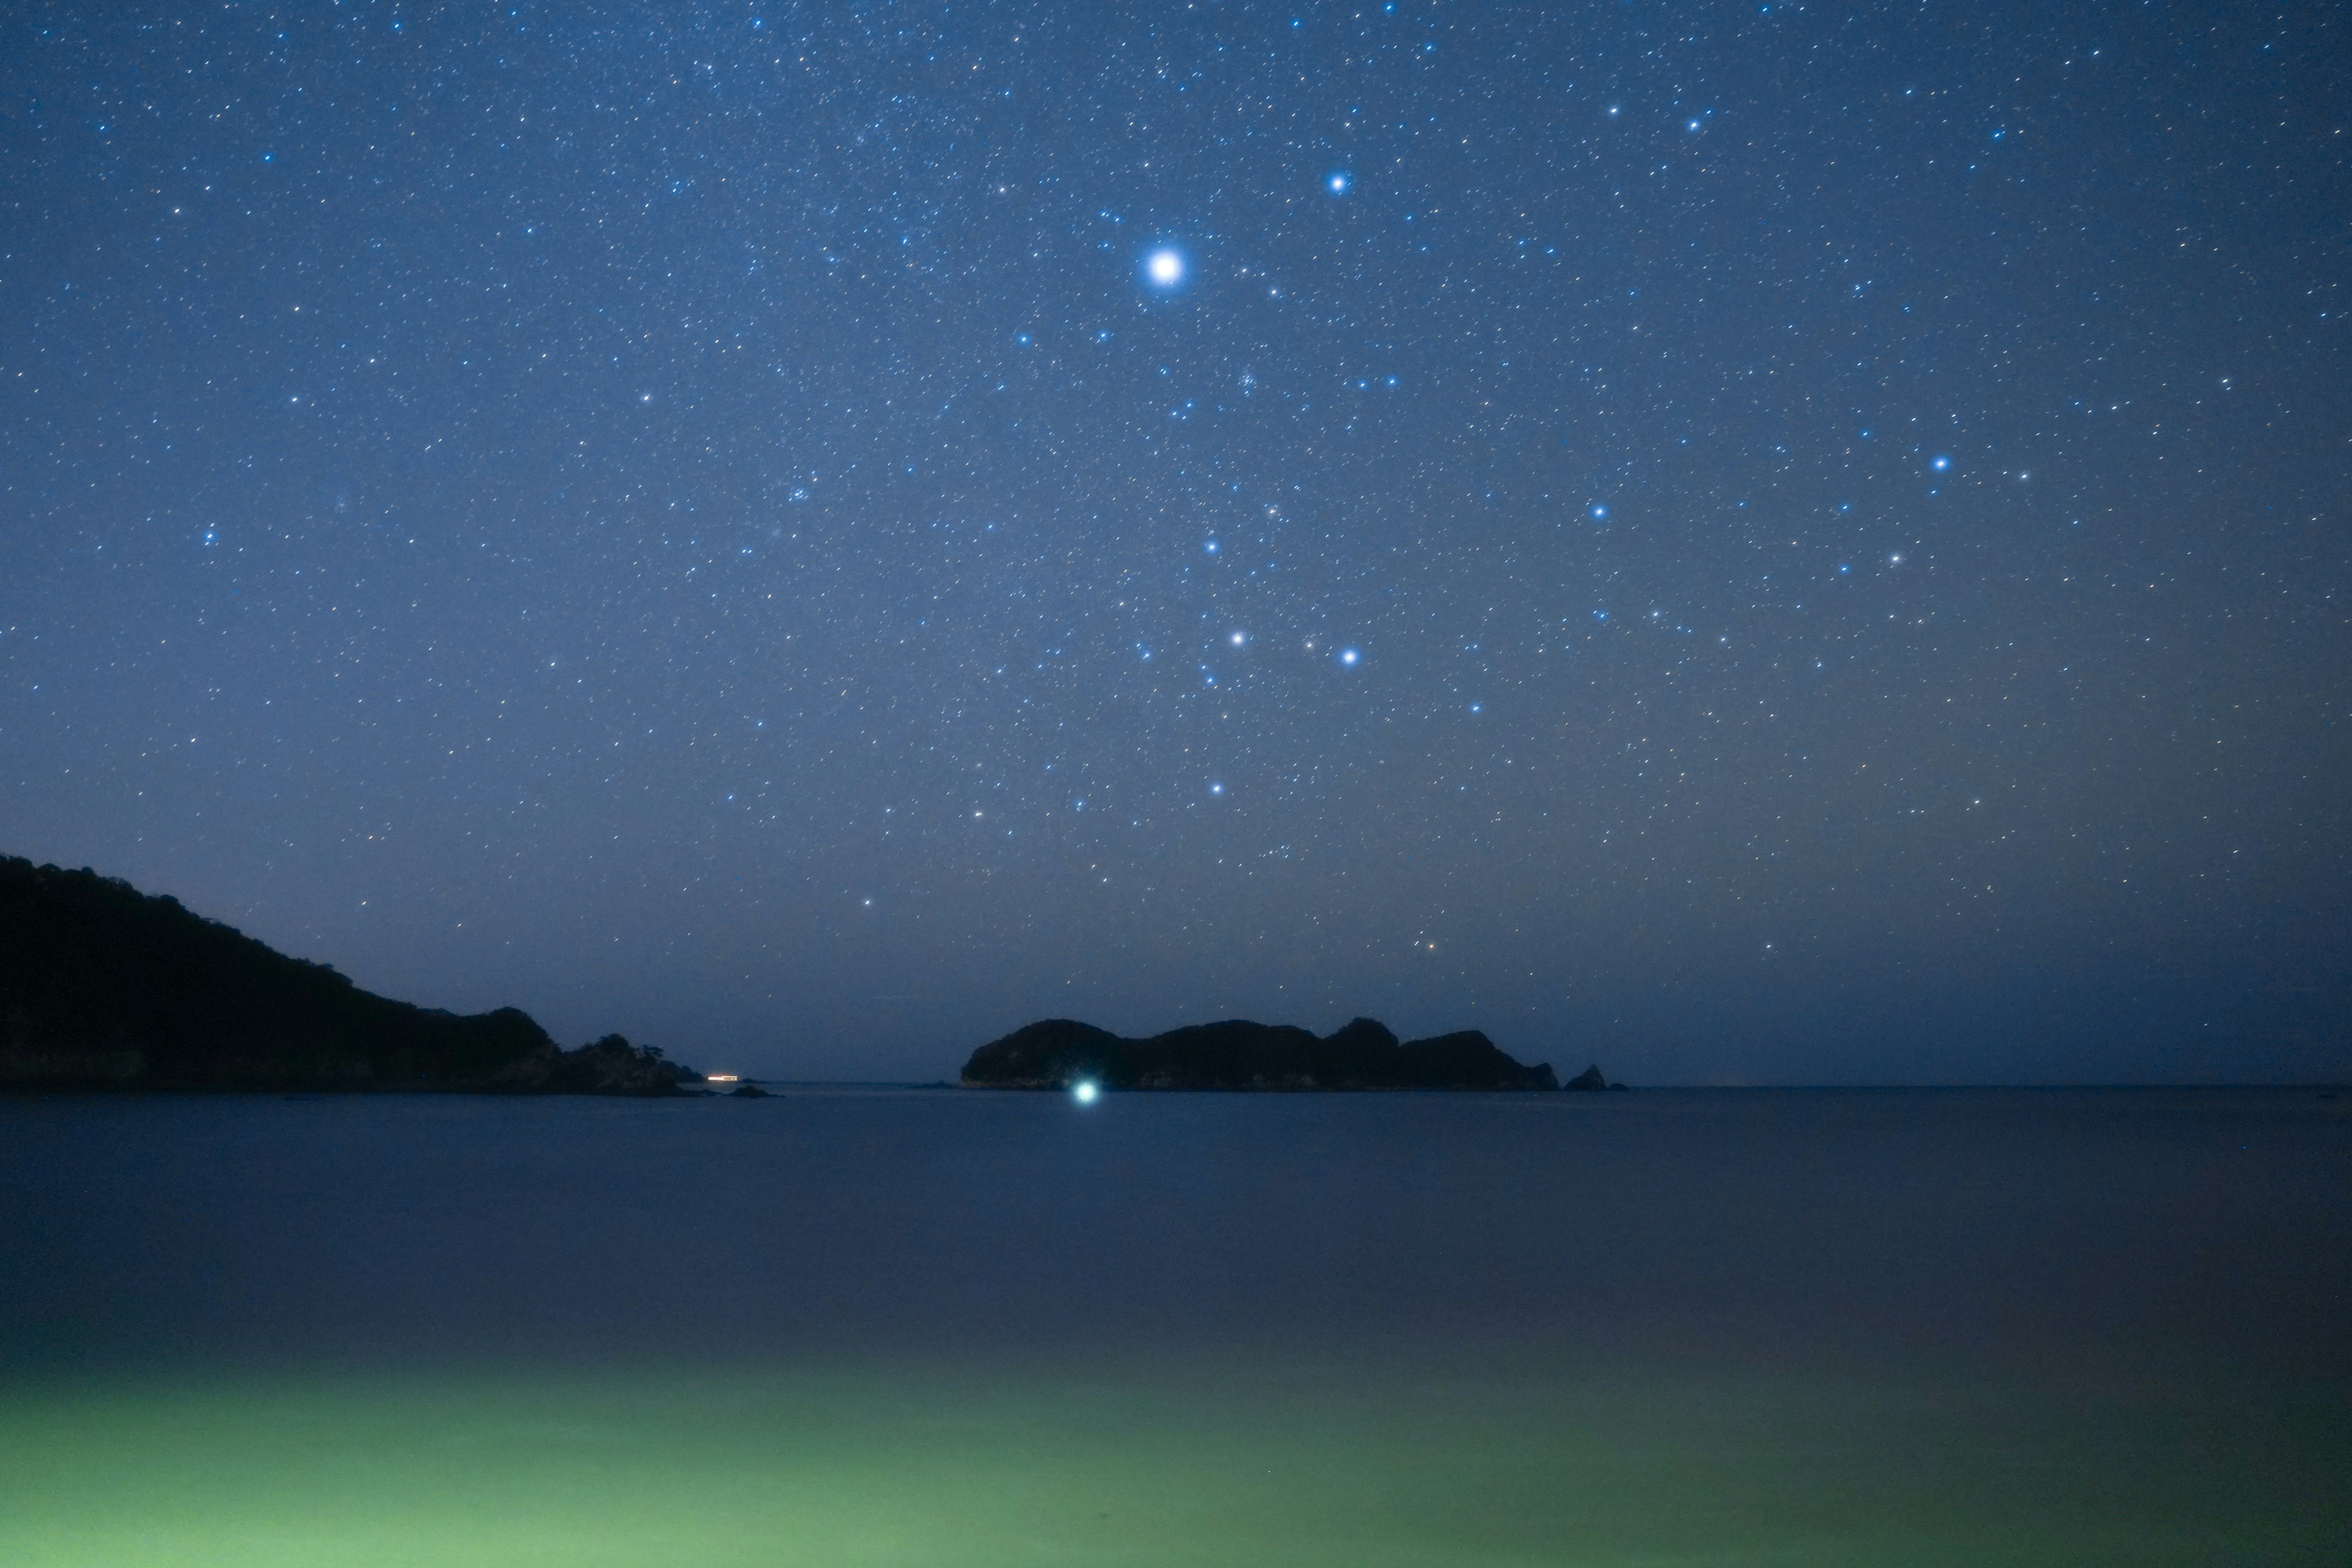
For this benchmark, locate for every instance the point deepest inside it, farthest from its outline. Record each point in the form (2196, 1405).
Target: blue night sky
(1745, 543)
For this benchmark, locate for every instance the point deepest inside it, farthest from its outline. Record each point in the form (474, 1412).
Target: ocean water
(911, 1327)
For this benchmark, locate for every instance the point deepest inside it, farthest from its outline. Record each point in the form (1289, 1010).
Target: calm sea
(912, 1327)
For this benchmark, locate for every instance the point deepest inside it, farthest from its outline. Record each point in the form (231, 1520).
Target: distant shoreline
(105, 988)
(19, 1089)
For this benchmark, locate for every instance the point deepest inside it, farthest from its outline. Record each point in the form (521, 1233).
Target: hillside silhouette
(102, 986)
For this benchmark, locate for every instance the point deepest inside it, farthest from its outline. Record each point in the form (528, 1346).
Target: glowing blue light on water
(1085, 1091)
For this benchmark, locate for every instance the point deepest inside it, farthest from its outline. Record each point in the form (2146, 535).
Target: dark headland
(102, 986)
(1056, 1053)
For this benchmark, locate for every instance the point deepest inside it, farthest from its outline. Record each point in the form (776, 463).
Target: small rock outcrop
(1237, 1054)
(610, 1065)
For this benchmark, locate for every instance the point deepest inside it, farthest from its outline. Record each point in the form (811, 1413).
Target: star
(1165, 266)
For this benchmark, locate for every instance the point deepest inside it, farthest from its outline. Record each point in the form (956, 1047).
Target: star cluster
(1752, 542)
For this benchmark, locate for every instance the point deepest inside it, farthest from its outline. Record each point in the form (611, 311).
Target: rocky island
(1060, 1053)
(102, 986)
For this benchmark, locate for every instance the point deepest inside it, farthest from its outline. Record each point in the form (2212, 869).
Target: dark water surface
(936, 1327)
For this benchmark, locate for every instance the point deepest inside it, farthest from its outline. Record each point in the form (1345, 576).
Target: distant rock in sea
(1592, 1078)
(1058, 1053)
(102, 986)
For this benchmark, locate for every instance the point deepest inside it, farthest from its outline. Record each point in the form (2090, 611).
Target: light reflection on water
(1212, 1462)
(902, 1328)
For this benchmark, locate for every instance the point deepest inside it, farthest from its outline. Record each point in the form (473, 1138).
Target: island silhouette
(105, 988)
(1236, 1054)
(102, 986)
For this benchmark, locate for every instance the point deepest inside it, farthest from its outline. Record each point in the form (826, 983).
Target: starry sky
(1749, 543)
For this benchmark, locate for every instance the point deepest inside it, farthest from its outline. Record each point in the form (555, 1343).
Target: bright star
(1239, 638)
(1165, 268)
(1940, 463)
(1348, 656)
(1338, 182)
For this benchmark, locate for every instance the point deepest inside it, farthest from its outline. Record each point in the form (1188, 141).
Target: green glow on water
(1211, 1461)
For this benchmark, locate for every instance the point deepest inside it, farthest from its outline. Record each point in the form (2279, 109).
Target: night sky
(1747, 544)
